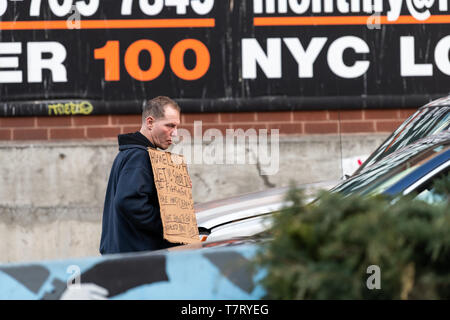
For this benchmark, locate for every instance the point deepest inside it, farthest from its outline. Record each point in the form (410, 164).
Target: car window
(426, 191)
(423, 123)
(430, 196)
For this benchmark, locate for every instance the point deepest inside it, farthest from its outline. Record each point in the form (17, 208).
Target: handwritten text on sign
(175, 197)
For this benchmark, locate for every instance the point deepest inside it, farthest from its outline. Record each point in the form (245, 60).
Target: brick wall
(289, 123)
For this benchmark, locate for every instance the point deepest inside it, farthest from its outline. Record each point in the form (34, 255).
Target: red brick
(405, 113)
(17, 122)
(274, 116)
(90, 120)
(286, 128)
(103, 132)
(130, 129)
(127, 119)
(245, 126)
(237, 117)
(204, 127)
(321, 127)
(310, 115)
(387, 126)
(67, 133)
(30, 134)
(189, 118)
(346, 115)
(5, 134)
(54, 121)
(221, 127)
(381, 114)
(357, 126)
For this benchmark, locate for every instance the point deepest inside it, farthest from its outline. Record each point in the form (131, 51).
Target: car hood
(214, 213)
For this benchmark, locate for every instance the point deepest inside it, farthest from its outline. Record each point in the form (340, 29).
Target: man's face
(163, 129)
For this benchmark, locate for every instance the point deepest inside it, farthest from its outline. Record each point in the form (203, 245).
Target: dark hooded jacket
(131, 216)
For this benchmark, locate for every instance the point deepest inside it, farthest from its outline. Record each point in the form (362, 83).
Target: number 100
(110, 53)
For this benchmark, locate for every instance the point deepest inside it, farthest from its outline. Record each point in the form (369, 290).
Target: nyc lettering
(270, 61)
(87, 8)
(9, 59)
(419, 9)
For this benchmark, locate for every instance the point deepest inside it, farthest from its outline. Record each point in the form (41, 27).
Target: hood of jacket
(134, 140)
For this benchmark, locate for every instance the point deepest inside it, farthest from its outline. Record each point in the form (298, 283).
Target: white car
(246, 215)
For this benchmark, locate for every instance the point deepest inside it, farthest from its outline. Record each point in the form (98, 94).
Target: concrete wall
(52, 193)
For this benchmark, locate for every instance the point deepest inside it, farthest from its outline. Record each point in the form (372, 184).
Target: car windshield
(425, 122)
(385, 173)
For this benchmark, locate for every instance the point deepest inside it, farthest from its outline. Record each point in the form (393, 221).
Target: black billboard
(61, 57)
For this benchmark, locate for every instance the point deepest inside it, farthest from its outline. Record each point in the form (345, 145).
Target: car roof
(441, 102)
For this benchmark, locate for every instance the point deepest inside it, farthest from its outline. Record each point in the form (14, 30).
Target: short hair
(156, 107)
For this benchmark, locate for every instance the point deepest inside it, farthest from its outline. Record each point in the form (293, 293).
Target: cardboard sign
(175, 197)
